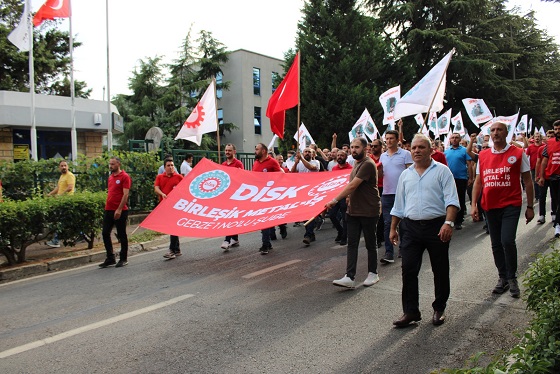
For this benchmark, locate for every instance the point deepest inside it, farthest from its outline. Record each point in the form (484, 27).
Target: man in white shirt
(306, 164)
(186, 166)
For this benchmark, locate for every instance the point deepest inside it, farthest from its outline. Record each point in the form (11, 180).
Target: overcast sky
(139, 29)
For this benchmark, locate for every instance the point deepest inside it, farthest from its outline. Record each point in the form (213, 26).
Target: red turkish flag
(285, 97)
(52, 9)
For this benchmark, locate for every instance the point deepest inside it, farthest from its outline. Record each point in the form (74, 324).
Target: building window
(219, 81)
(275, 81)
(257, 81)
(257, 120)
(220, 116)
(50, 144)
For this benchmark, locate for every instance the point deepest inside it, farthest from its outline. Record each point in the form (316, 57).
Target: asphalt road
(240, 312)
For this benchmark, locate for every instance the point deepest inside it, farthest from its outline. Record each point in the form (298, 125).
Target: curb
(58, 264)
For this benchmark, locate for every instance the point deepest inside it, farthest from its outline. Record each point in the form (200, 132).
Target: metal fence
(179, 155)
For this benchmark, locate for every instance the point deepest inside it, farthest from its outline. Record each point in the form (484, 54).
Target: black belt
(425, 221)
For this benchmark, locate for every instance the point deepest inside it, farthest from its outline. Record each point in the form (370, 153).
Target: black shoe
(501, 287)
(121, 263)
(343, 242)
(307, 240)
(283, 231)
(458, 227)
(297, 224)
(265, 249)
(407, 319)
(514, 288)
(438, 318)
(338, 238)
(107, 263)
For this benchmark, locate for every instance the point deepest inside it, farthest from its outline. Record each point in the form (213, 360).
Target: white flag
(530, 131)
(511, 122)
(457, 122)
(203, 118)
(443, 123)
(522, 125)
(303, 137)
(364, 127)
(541, 130)
(425, 131)
(427, 94)
(388, 99)
(20, 35)
(419, 120)
(477, 110)
(432, 123)
(271, 144)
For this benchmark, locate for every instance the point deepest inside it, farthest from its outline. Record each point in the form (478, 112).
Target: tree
(51, 56)
(500, 56)
(167, 102)
(345, 66)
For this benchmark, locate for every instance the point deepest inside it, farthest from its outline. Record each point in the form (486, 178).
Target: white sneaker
(541, 220)
(225, 245)
(234, 243)
(371, 279)
(345, 281)
(557, 231)
(553, 217)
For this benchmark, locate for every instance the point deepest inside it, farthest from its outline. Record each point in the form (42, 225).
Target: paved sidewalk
(42, 259)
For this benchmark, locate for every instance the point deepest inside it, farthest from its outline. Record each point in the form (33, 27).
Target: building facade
(251, 76)
(53, 123)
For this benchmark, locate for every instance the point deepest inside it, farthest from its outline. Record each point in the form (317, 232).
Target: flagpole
(73, 134)
(110, 129)
(217, 120)
(298, 100)
(439, 85)
(33, 131)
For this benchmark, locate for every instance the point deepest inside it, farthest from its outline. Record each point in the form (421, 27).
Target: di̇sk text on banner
(214, 200)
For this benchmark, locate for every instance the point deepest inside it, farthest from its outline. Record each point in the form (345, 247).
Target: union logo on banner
(214, 200)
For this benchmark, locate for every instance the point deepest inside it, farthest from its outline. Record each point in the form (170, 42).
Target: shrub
(26, 222)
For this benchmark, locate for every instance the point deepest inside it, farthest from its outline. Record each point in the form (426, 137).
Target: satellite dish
(155, 134)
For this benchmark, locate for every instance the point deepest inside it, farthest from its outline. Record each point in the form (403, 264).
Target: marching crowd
(404, 197)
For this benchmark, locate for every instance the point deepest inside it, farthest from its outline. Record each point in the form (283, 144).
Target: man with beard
(66, 185)
(395, 160)
(425, 206)
(499, 173)
(116, 213)
(265, 164)
(306, 164)
(337, 213)
(164, 184)
(231, 161)
(362, 214)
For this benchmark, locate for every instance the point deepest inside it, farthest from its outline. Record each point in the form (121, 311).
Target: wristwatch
(450, 223)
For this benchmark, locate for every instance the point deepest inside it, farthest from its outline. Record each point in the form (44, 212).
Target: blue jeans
(502, 224)
(265, 235)
(387, 202)
(337, 214)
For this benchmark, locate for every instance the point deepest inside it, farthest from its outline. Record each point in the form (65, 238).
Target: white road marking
(268, 270)
(93, 326)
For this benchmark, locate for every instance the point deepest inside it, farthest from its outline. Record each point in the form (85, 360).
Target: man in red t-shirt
(499, 173)
(164, 184)
(265, 164)
(231, 161)
(116, 213)
(532, 152)
(543, 190)
(550, 170)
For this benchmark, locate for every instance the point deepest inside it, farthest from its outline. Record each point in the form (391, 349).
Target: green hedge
(26, 222)
(539, 348)
(28, 179)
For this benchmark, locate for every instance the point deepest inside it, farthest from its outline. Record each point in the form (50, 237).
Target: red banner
(214, 200)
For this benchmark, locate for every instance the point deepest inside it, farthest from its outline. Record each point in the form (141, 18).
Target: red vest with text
(501, 178)
(553, 165)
